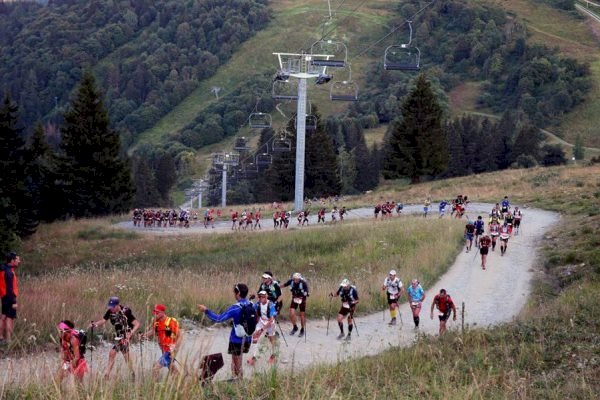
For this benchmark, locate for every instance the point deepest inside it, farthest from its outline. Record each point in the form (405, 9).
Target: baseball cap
(113, 301)
(266, 276)
(297, 275)
(345, 283)
(158, 309)
(393, 272)
(262, 293)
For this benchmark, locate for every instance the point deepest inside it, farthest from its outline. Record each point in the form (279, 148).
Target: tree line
(86, 175)
(147, 55)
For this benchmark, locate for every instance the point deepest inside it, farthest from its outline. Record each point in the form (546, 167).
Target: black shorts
(479, 232)
(444, 317)
(345, 311)
(390, 300)
(302, 305)
(483, 251)
(7, 308)
(121, 346)
(236, 349)
(517, 223)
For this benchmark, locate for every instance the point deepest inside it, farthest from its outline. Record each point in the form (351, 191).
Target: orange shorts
(81, 368)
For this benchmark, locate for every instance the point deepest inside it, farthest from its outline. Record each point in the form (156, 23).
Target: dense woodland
(147, 56)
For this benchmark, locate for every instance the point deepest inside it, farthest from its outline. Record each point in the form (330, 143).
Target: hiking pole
(329, 314)
(281, 330)
(354, 323)
(92, 349)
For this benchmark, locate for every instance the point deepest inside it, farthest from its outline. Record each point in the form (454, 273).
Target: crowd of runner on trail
(256, 322)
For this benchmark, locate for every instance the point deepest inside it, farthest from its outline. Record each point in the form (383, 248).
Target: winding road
(493, 296)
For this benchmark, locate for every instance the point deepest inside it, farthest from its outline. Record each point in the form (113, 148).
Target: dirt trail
(493, 296)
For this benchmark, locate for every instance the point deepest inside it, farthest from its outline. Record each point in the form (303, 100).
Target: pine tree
(41, 176)
(166, 176)
(578, 150)
(456, 149)
(364, 169)
(417, 145)
(95, 179)
(146, 192)
(528, 142)
(321, 173)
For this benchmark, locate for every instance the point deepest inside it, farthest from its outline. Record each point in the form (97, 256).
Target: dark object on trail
(209, 366)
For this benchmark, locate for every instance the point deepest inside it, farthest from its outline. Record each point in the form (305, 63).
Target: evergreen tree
(321, 174)
(578, 150)
(12, 185)
(146, 192)
(364, 169)
(502, 144)
(166, 176)
(456, 149)
(347, 171)
(528, 142)
(417, 145)
(41, 176)
(95, 179)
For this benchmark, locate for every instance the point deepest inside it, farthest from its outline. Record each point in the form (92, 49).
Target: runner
(518, 216)
(342, 213)
(469, 232)
(126, 325)
(300, 217)
(257, 219)
(479, 229)
(9, 292)
(305, 219)
(416, 297)
(426, 206)
(234, 218)
(399, 208)
(505, 206)
(72, 345)
(442, 208)
(321, 215)
(299, 289)
(377, 210)
(393, 287)
(169, 337)
(443, 302)
(273, 290)
(504, 236)
(265, 312)
(494, 228)
(249, 220)
(334, 215)
(237, 344)
(509, 219)
(484, 244)
(349, 297)
(276, 219)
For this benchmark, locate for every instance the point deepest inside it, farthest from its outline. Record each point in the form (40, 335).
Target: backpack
(82, 336)
(247, 324)
(2, 282)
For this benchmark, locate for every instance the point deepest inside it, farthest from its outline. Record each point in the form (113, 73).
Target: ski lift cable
(395, 28)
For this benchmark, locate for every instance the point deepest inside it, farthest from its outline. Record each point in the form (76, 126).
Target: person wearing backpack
(243, 315)
(169, 336)
(72, 343)
(9, 291)
(265, 314)
(126, 325)
(349, 297)
(443, 302)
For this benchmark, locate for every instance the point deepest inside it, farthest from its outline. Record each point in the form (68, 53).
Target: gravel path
(493, 296)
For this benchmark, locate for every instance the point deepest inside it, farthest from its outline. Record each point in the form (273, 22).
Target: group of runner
(149, 218)
(503, 223)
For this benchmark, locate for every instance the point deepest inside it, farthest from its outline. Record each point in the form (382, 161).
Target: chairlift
(241, 144)
(264, 159)
(281, 144)
(285, 90)
(402, 58)
(344, 91)
(323, 79)
(310, 123)
(250, 171)
(259, 120)
(329, 53)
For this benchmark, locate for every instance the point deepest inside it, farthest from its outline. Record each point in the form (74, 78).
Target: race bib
(441, 314)
(415, 303)
(346, 305)
(393, 296)
(298, 300)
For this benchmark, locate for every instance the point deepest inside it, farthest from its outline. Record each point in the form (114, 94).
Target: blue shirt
(505, 203)
(415, 294)
(233, 312)
(443, 205)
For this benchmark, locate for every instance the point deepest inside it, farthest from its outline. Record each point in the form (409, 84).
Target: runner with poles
(416, 296)
(349, 297)
(126, 325)
(273, 289)
(72, 344)
(469, 233)
(299, 289)
(393, 287)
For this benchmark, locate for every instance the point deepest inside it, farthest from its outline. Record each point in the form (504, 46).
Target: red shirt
(444, 305)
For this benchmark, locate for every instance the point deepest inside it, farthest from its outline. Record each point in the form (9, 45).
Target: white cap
(345, 283)
(266, 276)
(393, 272)
(297, 275)
(262, 293)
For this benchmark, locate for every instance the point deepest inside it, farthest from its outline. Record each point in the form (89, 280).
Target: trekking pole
(462, 318)
(329, 315)
(355, 326)
(281, 331)
(92, 348)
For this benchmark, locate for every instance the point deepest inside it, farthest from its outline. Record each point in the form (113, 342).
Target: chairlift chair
(241, 144)
(344, 91)
(281, 144)
(264, 159)
(259, 120)
(402, 58)
(337, 50)
(310, 123)
(250, 171)
(285, 90)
